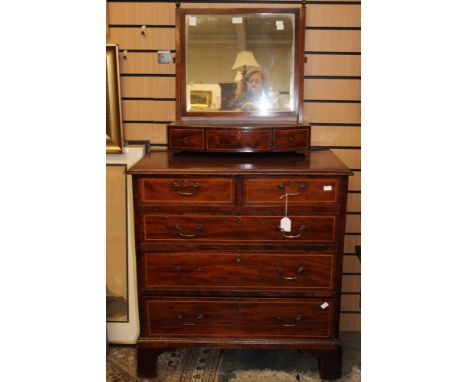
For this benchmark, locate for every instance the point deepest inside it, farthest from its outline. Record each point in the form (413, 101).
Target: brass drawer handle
(301, 229)
(186, 140)
(298, 318)
(280, 270)
(198, 318)
(290, 139)
(302, 187)
(181, 234)
(186, 185)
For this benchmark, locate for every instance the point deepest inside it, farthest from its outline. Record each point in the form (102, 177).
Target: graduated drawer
(238, 140)
(240, 271)
(301, 191)
(259, 318)
(187, 191)
(220, 229)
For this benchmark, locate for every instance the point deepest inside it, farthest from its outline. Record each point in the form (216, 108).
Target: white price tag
(324, 305)
(279, 25)
(237, 20)
(327, 188)
(285, 224)
(192, 20)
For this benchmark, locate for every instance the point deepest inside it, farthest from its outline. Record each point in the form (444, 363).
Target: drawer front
(242, 140)
(193, 191)
(221, 228)
(291, 139)
(241, 271)
(260, 318)
(187, 139)
(301, 191)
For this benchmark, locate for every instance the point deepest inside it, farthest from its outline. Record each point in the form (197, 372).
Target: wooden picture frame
(114, 134)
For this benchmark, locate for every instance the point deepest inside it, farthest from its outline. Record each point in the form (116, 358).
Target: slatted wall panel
(332, 92)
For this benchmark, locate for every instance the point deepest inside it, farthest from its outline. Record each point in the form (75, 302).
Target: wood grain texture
(353, 223)
(215, 5)
(335, 136)
(354, 202)
(332, 113)
(351, 283)
(355, 181)
(252, 318)
(239, 270)
(148, 110)
(350, 322)
(333, 40)
(350, 303)
(332, 65)
(220, 229)
(291, 139)
(332, 89)
(179, 190)
(312, 163)
(154, 38)
(138, 13)
(350, 157)
(153, 132)
(334, 15)
(144, 63)
(351, 264)
(232, 140)
(148, 87)
(327, 15)
(193, 139)
(226, 276)
(240, 138)
(302, 191)
(350, 243)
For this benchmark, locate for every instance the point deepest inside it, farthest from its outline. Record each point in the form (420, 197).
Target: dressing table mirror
(239, 81)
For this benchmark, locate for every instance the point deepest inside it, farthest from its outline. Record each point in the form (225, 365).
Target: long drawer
(257, 318)
(246, 228)
(239, 271)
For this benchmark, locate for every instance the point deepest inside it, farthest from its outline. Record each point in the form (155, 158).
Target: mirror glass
(240, 62)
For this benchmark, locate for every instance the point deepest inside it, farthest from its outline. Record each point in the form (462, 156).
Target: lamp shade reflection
(245, 59)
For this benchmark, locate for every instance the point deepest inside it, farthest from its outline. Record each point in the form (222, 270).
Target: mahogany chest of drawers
(215, 269)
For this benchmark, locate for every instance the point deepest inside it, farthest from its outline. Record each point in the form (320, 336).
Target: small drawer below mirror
(238, 140)
(297, 139)
(192, 139)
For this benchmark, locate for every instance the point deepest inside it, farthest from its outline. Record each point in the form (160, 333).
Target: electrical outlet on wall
(164, 57)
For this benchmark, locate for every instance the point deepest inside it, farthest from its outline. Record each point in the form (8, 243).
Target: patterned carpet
(214, 365)
(181, 365)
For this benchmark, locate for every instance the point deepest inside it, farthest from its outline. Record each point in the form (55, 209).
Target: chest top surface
(315, 161)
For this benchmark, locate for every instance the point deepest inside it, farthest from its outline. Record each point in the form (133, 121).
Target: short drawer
(301, 191)
(294, 139)
(220, 229)
(238, 139)
(240, 271)
(186, 191)
(186, 139)
(259, 318)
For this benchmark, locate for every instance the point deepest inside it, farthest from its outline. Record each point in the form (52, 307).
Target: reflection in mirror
(240, 62)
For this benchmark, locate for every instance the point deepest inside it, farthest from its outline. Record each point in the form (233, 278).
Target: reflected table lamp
(244, 59)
